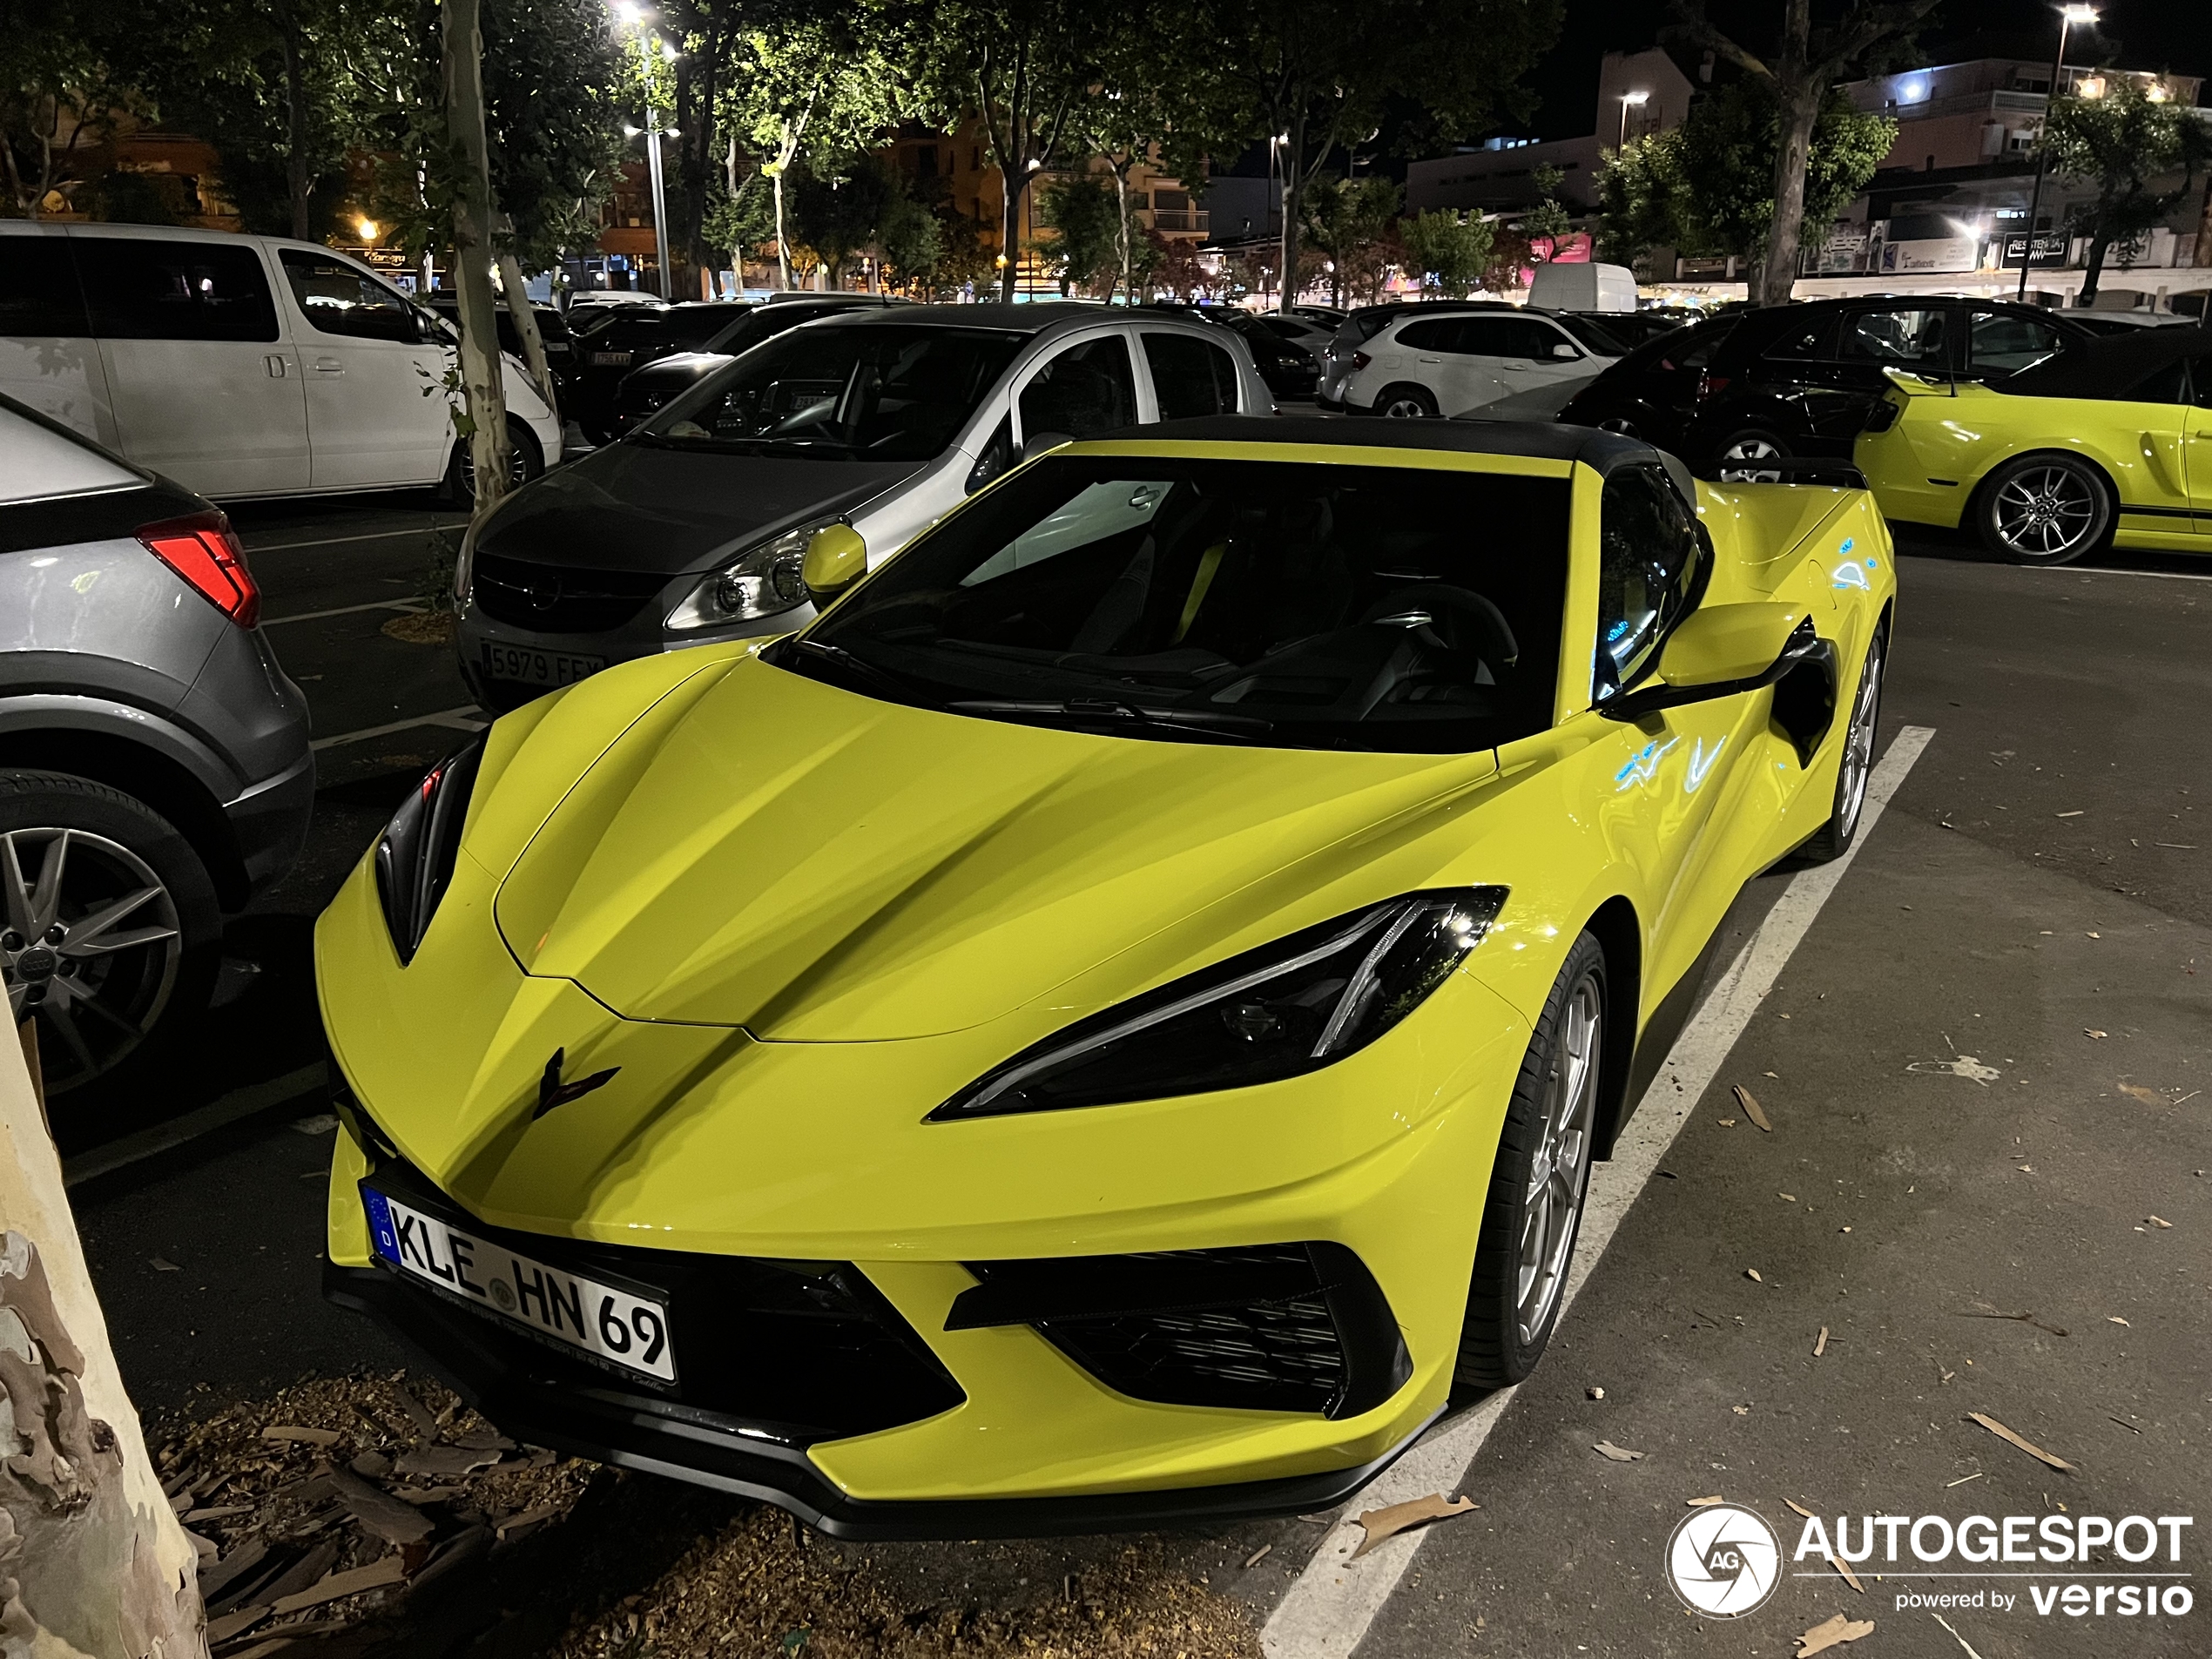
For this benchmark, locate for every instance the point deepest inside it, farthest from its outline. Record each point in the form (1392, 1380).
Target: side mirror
(835, 559)
(1564, 352)
(1720, 651)
(1038, 444)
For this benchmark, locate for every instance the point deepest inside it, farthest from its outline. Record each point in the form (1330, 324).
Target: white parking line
(344, 610)
(1329, 1607)
(163, 1137)
(366, 535)
(2159, 576)
(461, 720)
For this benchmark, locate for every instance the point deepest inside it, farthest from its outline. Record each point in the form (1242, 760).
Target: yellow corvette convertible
(2110, 444)
(1111, 1023)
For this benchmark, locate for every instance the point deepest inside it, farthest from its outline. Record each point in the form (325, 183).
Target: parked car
(1446, 361)
(2125, 322)
(1633, 329)
(1361, 326)
(239, 364)
(2106, 443)
(1288, 370)
(642, 389)
(552, 331)
(1328, 317)
(1800, 380)
(1293, 328)
(694, 527)
(1583, 286)
(1093, 985)
(154, 765)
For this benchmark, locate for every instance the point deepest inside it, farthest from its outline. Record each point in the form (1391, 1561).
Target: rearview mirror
(1720, 651)
(836, 558)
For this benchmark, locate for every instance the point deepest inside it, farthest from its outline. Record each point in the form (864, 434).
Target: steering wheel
(1454, 619)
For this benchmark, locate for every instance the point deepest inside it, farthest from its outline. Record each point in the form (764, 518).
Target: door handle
(276, 366)
(1428, 359)
(329, 365)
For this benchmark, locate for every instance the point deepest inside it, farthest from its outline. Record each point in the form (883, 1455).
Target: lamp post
(1629, 101)
(633, 18)
(2068, 16)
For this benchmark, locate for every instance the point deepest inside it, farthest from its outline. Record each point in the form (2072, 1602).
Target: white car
(239, 364)
(1429, 363)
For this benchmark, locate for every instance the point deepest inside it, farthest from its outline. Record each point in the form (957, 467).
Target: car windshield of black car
(1283, 603)
(855, 391)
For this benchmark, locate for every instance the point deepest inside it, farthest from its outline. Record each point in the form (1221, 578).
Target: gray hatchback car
(693, 527)
(155, 769)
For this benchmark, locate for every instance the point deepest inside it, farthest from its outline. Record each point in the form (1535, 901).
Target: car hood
(631, 506)
(816, 866)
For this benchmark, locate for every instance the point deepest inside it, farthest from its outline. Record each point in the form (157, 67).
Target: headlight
(414, 859)
(763, 580)
(463, 565)
(1292, 1006)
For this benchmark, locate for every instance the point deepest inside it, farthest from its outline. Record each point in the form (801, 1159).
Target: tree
(60, 94)
(1448, 252)
(1798, 77)
(1316, 75)
(1345, 220)
(1548, 223)
(464, 48)
(1092, 230)
(2127, 145)
(849, 208)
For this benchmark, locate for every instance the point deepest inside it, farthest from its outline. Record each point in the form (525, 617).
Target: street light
(632, 17)
(2068, 16)
(1629, 101)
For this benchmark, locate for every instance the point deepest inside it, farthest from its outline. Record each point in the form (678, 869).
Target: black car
(1633, 329)
(552, 329)
(1800, 380)
(645, 389)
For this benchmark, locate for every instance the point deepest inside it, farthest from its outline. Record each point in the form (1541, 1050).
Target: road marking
(461, 720)
(366, 535)
(163, 1137)
(2161, 576)
(1328, 1609)
(344, 610)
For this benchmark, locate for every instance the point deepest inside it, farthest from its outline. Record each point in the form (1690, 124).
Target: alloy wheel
(1559, 1173)
(1751, 448)
(1858, 741)
(2043, 512)
(90, 944)
(1405, 409)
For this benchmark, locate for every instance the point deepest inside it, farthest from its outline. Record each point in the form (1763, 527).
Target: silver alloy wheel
(89, 943)
(1405, 409)
(1751, 448)
(2042, 512)
(1558, 1172)
(1858, 742)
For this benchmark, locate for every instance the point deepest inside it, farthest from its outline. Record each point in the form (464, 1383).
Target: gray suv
(693, 527)
(154, 762)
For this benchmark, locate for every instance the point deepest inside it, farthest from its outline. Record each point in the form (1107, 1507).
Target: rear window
(1190, 377)
(142, 288)
(39, 291)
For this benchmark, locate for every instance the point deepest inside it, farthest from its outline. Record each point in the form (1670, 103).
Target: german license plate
(611, 358)
(535, 667)
(617, 1324)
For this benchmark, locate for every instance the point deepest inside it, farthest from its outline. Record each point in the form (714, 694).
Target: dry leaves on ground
(752, 1590)
(1751, 1107)
(1833, 1633)
(423, 627)
(1616, 1453)
(2004, 1433)
(1379, 1524)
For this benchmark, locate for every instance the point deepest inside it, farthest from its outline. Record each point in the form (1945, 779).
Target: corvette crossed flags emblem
(552, 1092)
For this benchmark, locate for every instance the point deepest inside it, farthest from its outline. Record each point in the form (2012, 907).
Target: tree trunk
(1777, 272)
(472, 254)
(1010, 231)
(1293, 202)
(295, 162)
(92, 1559)
(2098, 245)
(2203, 255)
(518, 307)
(783, 241)
(1121, 242)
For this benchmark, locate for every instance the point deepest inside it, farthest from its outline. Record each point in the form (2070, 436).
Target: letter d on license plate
(630, 1330)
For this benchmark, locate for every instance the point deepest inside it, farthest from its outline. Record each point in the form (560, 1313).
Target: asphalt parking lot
(1985, 1061)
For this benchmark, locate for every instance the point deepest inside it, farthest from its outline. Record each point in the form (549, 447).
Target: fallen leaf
(2004, 1433)
(1820, 1342)
(231, 1624)
(2094, 935)
(1799, 1507)
(1379, 1524)
(2158, 1221)
(530, 1518)
(2076, 812)
(1833, 1633)
(1843, 1230)
(1963, 1479)
(2023, 1318)
(1617, 1453)
(1955, 1636)
(247, 1552)
(1740, 1411)
(161, 1264)
(2087, 1032)
(1750, 1106)
(380, 1514)
(293, 1432)
(2113, 1318)
(1753, 1273)
(444, 1460)
(1699, 1503)
(389, 1570)
(2149, 1096)
(1257, 1556)
(1965, 1065)
(1848, 1577)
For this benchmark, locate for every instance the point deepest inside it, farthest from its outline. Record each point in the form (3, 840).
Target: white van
(238, 364)
(1583, 288)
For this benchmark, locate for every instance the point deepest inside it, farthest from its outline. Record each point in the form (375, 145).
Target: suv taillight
(1709, 384)
(203, 549)
(1360, 359)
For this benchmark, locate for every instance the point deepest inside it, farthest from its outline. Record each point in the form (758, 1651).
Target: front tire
(1834, 838)
(1538, 1183)
(1408, 403)
(110, 931)
(525, 461)
(2044, 510)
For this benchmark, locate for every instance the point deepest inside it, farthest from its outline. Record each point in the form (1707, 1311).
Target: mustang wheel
(1408, 403)
(1835, 836)
(1538, 1182)
(2044, 510)
(109, 925)
(1751, 446)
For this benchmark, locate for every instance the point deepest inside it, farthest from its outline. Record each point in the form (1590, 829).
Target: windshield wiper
(1094, 710)
(897, 686)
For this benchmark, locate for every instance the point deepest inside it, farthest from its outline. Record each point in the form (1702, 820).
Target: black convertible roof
(2102, 367)
(1542, 439)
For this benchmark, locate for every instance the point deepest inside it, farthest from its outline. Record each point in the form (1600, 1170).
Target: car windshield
(1290, 604)
(679, 327)
(856, 391)
(1591, 336)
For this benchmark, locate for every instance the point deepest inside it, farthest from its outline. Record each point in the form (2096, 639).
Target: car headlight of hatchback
(764, 579)
(415, 855)
(1292, 1006)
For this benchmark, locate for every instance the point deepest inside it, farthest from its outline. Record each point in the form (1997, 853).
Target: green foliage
(122, 198)
(2127, 146)
(742, 224)
(1449, 250)
(1086, 213)
(863, 207)
(64, 85)
(1346, 220)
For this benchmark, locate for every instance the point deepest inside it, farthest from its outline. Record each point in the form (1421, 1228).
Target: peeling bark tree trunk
(472, 254)
(1777, 272)
(518, 307)
(93, 1560)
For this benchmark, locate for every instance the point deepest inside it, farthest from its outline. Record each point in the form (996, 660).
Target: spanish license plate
(611, 358)
(535, 667)
(617, 1324)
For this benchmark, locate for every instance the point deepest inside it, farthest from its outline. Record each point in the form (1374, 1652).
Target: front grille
(1299, 1327)
(809, 1351)
(559, 598)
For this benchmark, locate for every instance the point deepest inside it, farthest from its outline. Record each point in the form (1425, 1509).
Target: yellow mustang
(2109, 443)
(1111, 1023)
